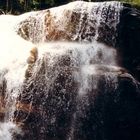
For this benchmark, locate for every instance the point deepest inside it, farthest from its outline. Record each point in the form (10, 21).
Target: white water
(78, 20)
(13, 55)
(87, 58)
(91, 59)
(6, 129)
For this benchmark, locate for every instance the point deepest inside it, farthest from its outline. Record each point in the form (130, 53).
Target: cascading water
(82, 63)
(87, 59)
(12, 72)
(76, 21)
(43, 82)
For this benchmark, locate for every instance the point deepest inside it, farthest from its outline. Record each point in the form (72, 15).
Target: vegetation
(21, 6)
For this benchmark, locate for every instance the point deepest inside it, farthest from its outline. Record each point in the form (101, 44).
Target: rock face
(2, 96)
(31, 61)
(113, 23)
(57, 111)
(87, 90)
(128, 40)
(76, 21)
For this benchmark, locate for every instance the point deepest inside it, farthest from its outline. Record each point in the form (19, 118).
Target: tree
(21, 6)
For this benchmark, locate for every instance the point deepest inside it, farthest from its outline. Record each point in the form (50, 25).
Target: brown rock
(31, 61)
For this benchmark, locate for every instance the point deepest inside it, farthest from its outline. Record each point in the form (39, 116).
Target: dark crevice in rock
(129, 41)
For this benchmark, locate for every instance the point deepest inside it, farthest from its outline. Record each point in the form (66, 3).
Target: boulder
(113, 23)
(76, 21)
(53, 108)
(31, 62)
(59, 100)
(128, 40)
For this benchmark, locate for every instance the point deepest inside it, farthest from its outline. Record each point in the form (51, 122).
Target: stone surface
(128, 40)
(76, 21)
(3, 85)
(56, 111)
(50, 105)
(113, 23)
(31, 62)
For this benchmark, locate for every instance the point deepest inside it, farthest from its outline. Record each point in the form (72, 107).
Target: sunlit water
(13, 57)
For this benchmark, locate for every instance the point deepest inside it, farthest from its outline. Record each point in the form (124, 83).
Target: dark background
(21, 6)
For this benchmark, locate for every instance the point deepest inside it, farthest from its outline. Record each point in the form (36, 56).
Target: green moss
(133, 2)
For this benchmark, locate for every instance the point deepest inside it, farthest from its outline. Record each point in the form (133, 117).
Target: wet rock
(53, 104)
(77, 21)
(115, 24)
(109, 109)
(31, 61)
(31, 28)
(109, 113)
(45, 108)
(3, 86)
(128, 40)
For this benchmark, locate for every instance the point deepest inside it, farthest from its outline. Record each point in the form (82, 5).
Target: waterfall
(76, 21)
(13, 57)
(50, 62)
(86, 58)
(81, 63)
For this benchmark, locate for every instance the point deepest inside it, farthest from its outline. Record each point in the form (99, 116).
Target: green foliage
(21, 6)
(132, 1)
